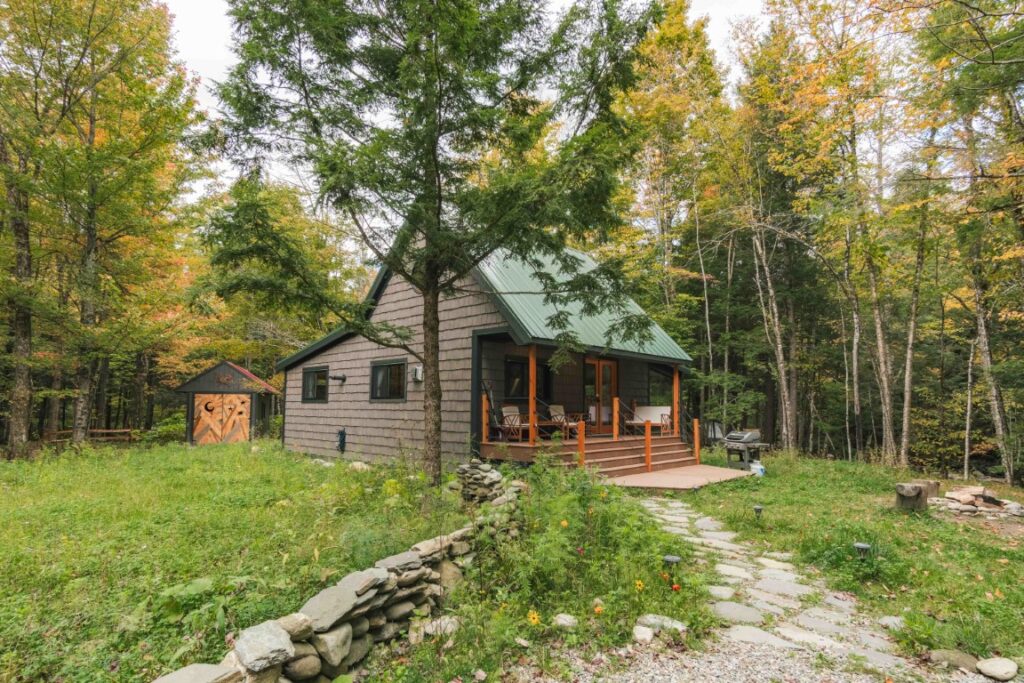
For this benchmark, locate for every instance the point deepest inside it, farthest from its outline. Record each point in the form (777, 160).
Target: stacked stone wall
(400, 596)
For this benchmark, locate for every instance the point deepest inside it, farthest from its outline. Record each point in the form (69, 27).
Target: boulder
(954, 658)
(658, 623)
(334, 645)
(643, 634)
(202, 673)
(400, 610)
(333, 604)
(388, 631)
(449, 575)
(260, 647)
(360, 648)
(402, 562)
(565, 622)
(360, 626)
(442, 626)
(998, 668)
(303, 668)
(298, 626)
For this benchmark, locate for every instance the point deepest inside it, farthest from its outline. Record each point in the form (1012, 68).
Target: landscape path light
(862, 549)
(758, 509)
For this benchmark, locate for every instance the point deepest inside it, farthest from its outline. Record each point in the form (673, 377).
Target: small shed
(227, 404)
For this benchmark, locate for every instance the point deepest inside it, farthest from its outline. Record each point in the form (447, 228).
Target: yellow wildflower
(639, 585)
(604, 493)
(564, 523)
(598, 609)
(533, 617)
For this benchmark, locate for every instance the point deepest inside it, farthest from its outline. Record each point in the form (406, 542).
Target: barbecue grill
(746, 445)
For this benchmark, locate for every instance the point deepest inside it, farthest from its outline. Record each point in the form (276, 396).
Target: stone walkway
(776, 613)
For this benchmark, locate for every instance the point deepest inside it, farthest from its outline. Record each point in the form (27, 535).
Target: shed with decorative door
(227, 404)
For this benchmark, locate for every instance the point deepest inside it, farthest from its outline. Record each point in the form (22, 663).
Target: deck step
(623, 470)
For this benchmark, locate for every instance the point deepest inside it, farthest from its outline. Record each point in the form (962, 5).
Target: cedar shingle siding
(388, 429)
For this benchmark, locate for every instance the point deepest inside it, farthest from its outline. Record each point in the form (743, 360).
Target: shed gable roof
(229, 378)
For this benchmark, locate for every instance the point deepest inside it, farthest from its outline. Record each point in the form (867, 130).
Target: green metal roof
(520, 296)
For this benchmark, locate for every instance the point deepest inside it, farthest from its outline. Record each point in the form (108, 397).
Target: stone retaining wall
(399, 596)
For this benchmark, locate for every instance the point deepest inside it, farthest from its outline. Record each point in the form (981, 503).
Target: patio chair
(512, 423)
(568, 423)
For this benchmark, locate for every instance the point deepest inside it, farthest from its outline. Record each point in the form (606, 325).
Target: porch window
(659, 386)
(314, 385)
(517, 379)
(387, 380)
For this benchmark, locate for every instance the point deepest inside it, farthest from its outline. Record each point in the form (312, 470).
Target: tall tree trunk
(908, 363)
(858, 420)
(884, 367)
(773, 330)
(53, 405)
(138, 412)
(88, 293)
(103, 393)
(730, 261)
(969, 410)
(432, 384)
(995, 392)
(20, 399)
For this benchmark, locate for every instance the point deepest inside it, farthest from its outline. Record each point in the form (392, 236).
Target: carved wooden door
(220, 418)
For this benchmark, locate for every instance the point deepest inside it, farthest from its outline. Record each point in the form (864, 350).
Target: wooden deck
(679, 478)
(615, 458)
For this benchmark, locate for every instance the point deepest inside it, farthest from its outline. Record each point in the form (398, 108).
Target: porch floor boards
(679, 478)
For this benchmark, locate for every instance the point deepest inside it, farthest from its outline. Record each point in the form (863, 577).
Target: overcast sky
(203, 34)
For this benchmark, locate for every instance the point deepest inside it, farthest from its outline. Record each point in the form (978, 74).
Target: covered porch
(618, 411)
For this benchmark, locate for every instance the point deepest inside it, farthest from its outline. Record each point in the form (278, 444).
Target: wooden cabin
(227, 404)
(614, 405)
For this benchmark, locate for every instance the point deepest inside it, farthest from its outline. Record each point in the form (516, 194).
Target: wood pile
(975, 500)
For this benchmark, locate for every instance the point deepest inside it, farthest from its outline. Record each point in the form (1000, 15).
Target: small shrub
(581, 540)
(171, 429)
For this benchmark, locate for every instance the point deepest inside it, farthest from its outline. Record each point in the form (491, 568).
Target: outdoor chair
(567, 423)
(512, 423)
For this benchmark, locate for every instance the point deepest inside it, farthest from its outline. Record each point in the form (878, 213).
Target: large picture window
(314, 385)
(659, 387)
(517, 379)
(387, 380)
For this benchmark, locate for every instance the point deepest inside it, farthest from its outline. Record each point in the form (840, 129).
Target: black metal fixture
(672, 560)
(862, 549)
(340, 378)
(342, 438)
(758, 509)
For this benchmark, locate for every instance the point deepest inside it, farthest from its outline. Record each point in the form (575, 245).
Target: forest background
(836, 236)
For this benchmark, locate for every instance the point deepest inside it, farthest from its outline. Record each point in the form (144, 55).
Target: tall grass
(957, 584)
(580, 540)
(119, 565)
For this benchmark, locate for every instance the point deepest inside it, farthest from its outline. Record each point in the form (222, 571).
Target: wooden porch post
(676, 408)
(647, 444)
(485, 423)
(581, 441)
(696, 439)
(533, 394)
(615, 418)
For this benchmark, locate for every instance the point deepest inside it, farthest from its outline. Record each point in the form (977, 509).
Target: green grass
(580, 540)
(120, 565)
(957, 585)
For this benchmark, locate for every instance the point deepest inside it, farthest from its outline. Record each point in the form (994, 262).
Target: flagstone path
(781, 624)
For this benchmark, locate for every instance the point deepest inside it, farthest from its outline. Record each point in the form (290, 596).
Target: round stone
(999, 668)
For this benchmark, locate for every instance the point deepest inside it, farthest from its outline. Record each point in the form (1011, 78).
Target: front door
(600, 386)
